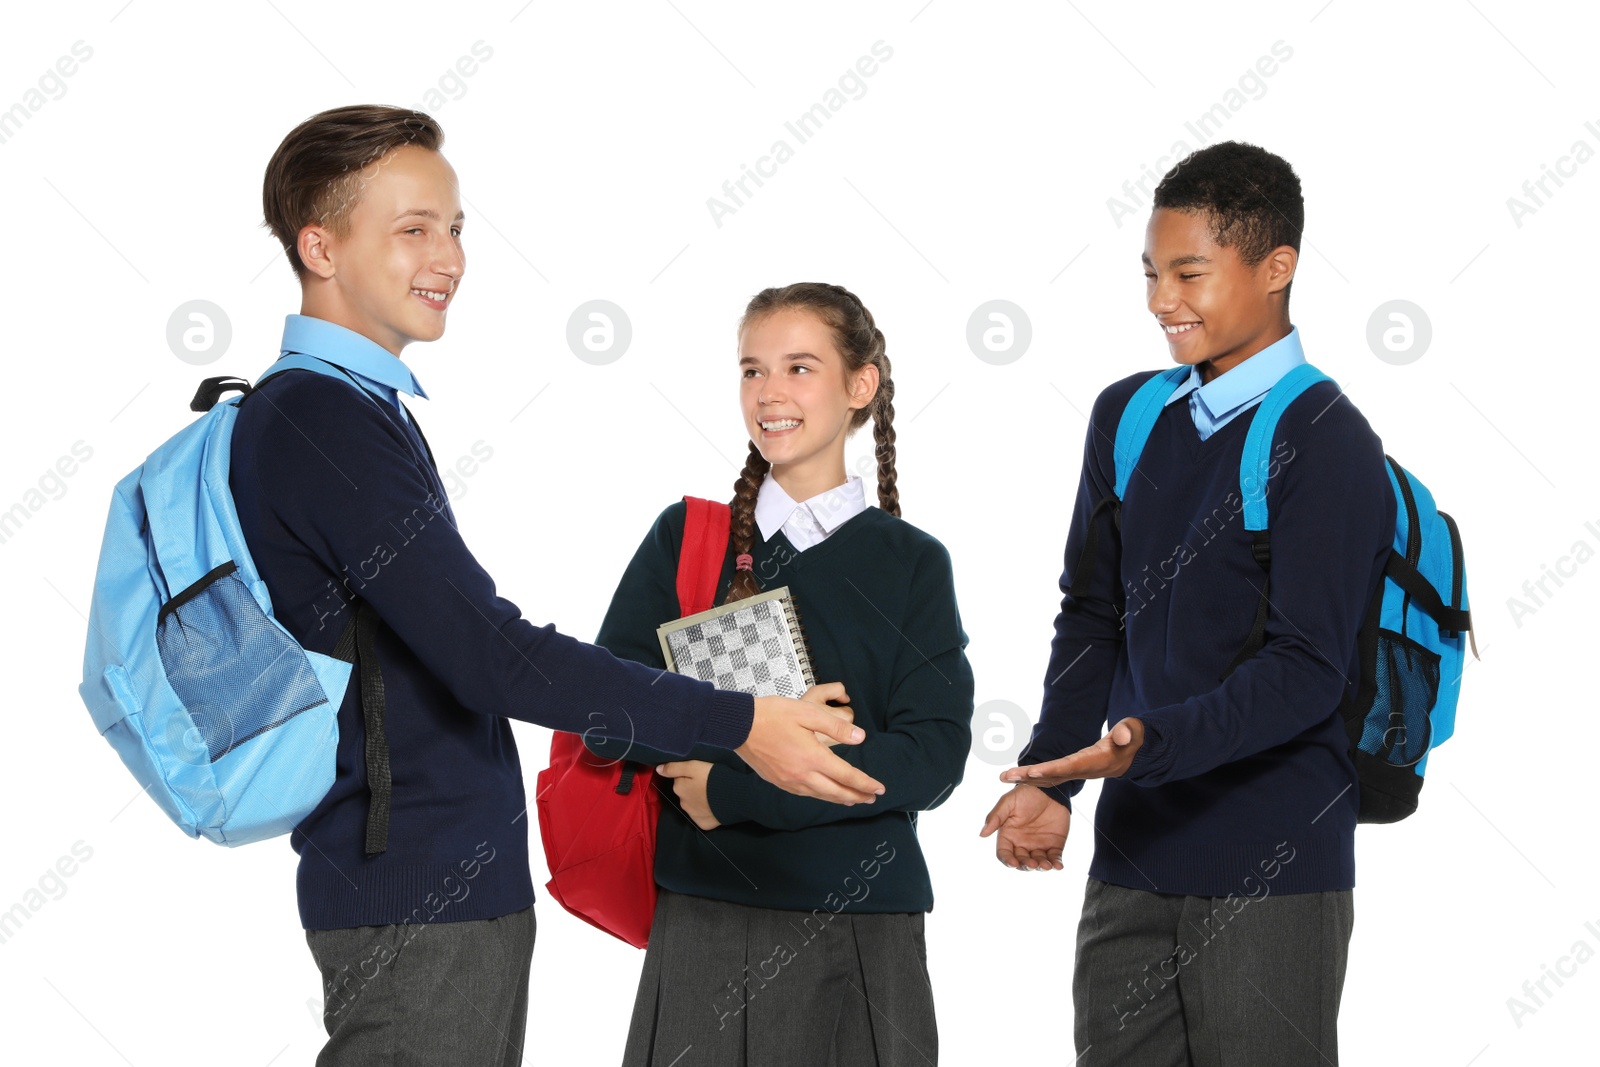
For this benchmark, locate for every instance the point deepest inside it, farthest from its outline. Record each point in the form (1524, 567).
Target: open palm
(1032, 829)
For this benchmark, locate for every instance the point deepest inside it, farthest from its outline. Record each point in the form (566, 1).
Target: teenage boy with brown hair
(424, 933)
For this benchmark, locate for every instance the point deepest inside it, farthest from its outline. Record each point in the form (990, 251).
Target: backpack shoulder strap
(299, 361)
(418, 427)
(1138, 418)
(1254, 467)
(705, 545)
(1133, 430)
(211, 390)
(1254, 461)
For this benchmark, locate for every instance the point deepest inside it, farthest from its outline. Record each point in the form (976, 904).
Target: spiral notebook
(754, 645)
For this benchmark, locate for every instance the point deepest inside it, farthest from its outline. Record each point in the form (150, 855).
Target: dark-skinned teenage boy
(1218, 910)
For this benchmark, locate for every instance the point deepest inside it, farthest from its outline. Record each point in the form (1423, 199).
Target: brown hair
(861, 343)
(315, 175)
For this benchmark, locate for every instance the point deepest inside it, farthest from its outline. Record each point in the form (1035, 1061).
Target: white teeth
(430, 294)
(781, 424)
(1181, 329)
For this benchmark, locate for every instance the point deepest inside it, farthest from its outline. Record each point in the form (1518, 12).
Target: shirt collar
(346, 348)
(832, 508)
(1249, 380)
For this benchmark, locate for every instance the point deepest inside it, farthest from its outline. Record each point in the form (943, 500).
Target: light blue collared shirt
(375, 366)
(1229, 395)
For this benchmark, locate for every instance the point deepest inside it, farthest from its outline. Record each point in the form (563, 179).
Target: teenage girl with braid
(790, 930)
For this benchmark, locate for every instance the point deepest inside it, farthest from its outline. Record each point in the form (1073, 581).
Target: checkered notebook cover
(754, 645)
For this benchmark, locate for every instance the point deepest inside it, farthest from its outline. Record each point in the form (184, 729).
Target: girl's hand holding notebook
(819, 694)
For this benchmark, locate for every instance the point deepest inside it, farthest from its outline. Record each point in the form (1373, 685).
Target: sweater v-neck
(843, 532)
(1198, 448)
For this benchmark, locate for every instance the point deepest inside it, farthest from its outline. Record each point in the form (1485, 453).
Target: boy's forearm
(625, 749)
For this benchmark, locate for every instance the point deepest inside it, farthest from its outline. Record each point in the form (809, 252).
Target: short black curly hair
(1251, 197)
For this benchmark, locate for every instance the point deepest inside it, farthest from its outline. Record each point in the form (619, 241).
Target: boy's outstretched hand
(1109, 757)
(1033, 829)
(783, 748)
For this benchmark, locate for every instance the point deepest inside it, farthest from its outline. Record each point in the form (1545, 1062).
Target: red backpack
(597, 818)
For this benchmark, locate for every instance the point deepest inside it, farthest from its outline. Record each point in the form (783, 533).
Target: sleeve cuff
(729, 717)
(1042, 749)
(1062, 794)
(1153, 762)
(730, 793)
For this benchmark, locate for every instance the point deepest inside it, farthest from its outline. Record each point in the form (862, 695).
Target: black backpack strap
(1426, 597)
(356, 646)
(1091, 544)
(418, 427)
(1261, 549)
(388, 412)
(429, 468)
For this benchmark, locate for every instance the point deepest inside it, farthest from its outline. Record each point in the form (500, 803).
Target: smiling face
(798, 398)
(393, 275)
(1212, 308)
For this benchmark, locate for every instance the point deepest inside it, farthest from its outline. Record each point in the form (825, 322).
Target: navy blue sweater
(336, 498)
(1229, 771)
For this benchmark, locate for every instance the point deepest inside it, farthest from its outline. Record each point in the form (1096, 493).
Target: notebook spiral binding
(803, 645)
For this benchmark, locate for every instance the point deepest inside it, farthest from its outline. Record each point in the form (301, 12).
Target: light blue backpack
(1414, 637)
(223, 717)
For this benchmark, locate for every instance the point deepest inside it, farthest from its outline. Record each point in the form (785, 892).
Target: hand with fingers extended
(1109, 757)
(1032, 829)
(689, 783)
(818, 694)
(783, 749)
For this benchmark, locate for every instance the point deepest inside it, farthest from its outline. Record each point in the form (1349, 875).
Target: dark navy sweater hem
(459, 891)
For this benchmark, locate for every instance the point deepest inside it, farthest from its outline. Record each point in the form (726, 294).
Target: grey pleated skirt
(728, 985)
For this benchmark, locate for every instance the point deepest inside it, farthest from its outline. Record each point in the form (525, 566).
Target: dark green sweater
(878, 604)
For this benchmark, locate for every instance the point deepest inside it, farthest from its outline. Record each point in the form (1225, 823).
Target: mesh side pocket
(237, 674)
(1398, 729)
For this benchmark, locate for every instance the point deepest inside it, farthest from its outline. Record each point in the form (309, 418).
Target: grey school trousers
(1181, 981)
(425, 994)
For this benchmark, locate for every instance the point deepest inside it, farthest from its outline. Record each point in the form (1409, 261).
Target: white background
(977, 165)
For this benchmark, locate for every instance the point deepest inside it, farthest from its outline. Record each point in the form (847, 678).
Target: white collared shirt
(812, 521)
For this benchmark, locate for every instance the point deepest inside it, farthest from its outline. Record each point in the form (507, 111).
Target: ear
(315, 246)
(1279, 268)
(864, 386)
